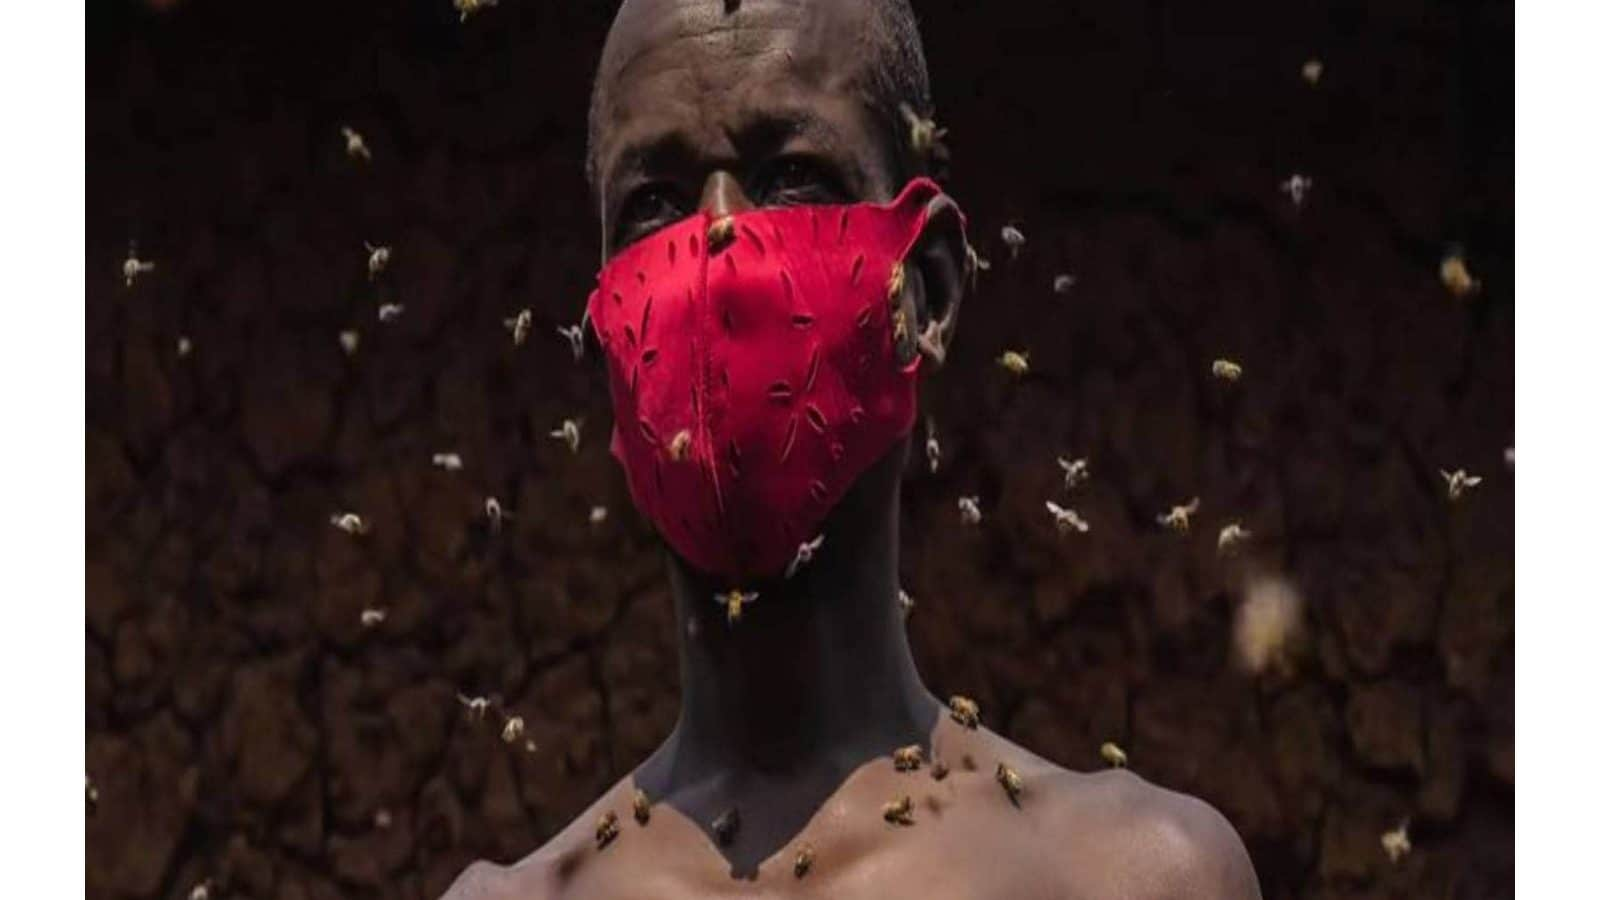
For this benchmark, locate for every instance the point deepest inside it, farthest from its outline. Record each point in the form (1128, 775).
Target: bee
(597, 515)
(355, 146)
(1067, 520)
(906, 603)
(897, 280)
(569, 433)
(1457, 482)
(133, 267)
(926, 137)
(468, 7)
(495, 513)
(1063, 283)
(1014, 361)
(719, 234)
(450, 462)
(91, 792)
(803, 555)
(964, 710)
(735, 600)
(512, 732)
(1311, 71)
(641, 806)
(1453, 273)
(201, 891)
(1013, 238)
(898, 811)
(388, 312)
(350, 340)
(1231, 535)
(931, 447)
(678, 447)
(377, 260)
(574, 336)
(1397, 842)
(1074, 471)
(726, 826)
(373, 616)
(519, 325)
(605, 829)
(477, 707)
(184, 346)
(976, 263)
(530, 745)
(1113, 755)
(1296, 186)
(1226, 369)
(1267, 625)
(803, 859)
(901, 329)
(1177, 518)
(970, 513)
(1510, 456)
(349, 523)
(1010, 780)
(382, 819)
(940, 770)
(908, 758)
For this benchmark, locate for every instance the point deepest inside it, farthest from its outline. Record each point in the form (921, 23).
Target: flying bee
(597, 515)
(495, 513)
(1063, 283)
(512, 732)
(719, 234)
(964, 710)
(1226, 369)
(1074, 471)
(898, 811)
(726, 826)
(1010, 780)
(373, 616)
(803, 555)
(1230, 536)
(897, 280)
(1067, 520)
(931, 446)
(201, 891)
(906, 603)
(91, 792)
(184, 346)
(1510, 456)
(803, 859)
(349, 340)
(908, 758)
(1453, 273)
(1311, 71)
(901, 329)
(605, 829)
(382, 819)
(1113, 755)
(1457, 482)
(519, 325)
(355, 146)
(1014, 361)
(970, 513)
(574, 336)
(926, 137)
(1177, 518)
(569, 433)
(678, 447)
(735, 600)
(477, 707)
(133, 267)
(377, 260)
(388, 312)
(641, 806)
(468, 7)
(349, 523)
(1296, 186)
(1397, 842)
(1013, 238)
(450, 462)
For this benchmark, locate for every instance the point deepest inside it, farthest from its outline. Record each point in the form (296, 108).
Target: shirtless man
(758, 183)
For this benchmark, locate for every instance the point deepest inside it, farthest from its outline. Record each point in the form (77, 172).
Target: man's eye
(646, 210)
(797, 180)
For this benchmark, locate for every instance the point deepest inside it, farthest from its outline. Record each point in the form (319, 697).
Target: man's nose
(722, 195)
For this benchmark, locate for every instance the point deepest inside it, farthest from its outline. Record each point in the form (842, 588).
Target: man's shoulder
(536, 876)
(1149, 840)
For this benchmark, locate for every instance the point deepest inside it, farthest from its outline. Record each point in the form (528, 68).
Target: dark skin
(791, 717)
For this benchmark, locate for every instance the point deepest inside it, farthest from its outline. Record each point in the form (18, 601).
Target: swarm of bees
(1311, 71)
(388, 312)
(349, 523)
(735, 601)
(468, 7)
(1231, 535)
(1009, 780)
(898, 811)
(1396, 843)
(726, 826)
(908, 758)
(803, 555)
(1014, 361)
(1296, 186)
(373, 616)
(349, 340)
(1013, 238)
(719, 234)
(1177, 518)
(1226, 369)
(450, 462)
(133, 267)
(519, 325)
(803, 858)
(605, 829)
(377, 260)
(641, 806)
(1458, 482)
(678, 447)
(568, 433)
(964, 710)
(1073, 471)
(1067, 520)
(355, 146)
(1113, 755)
(574, 336)
(970, 513)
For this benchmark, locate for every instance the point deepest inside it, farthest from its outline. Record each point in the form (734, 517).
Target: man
(776, 277)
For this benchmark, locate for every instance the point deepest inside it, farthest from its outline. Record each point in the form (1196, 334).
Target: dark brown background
(242, 726)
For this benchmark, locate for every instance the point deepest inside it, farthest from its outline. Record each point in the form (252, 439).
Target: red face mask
(754, 373)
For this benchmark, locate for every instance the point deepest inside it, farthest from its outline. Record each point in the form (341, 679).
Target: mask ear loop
(931, 340)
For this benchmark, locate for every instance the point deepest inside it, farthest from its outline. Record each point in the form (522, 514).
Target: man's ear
(941, 259)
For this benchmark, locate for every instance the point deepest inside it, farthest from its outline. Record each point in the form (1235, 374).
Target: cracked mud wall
(243, 725)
